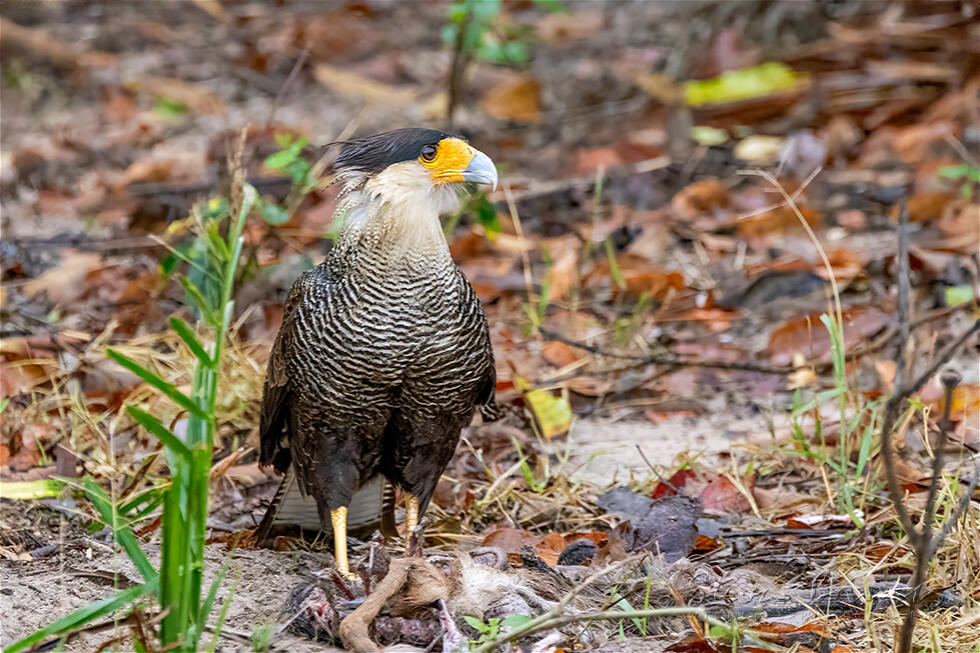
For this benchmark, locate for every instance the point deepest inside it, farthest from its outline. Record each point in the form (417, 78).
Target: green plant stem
(186, 503)
(551, 619)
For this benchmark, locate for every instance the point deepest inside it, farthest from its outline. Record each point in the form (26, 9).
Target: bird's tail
(290, 507)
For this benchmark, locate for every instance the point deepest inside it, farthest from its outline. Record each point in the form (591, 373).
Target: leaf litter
(614, 243)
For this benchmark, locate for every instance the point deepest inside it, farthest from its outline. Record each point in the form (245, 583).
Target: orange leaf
(510, 540)
(517, 97)
(700, 197)
(559, 354)
(721, 494)
(550, 548)
(673, 485)
(966, 401)
(808, 335)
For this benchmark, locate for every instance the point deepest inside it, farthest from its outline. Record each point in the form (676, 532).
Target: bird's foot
(415, 542)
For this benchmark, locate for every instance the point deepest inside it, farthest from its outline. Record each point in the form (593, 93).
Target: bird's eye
(428, 153)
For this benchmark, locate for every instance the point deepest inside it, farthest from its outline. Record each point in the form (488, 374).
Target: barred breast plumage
(383, 356)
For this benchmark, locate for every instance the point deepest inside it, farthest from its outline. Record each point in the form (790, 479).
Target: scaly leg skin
(411, 517)
(338, 519)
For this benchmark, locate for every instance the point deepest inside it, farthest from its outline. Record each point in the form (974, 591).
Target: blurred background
(665, 170)
(622, 131)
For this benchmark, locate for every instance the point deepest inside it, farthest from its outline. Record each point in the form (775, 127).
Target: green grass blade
(83, 616)
(614, 272)
(202, 304)
(151, 497)
(168, 389)
(209, 601)
(156, 427)
(187, 335)
(123, 533)
(31, 489)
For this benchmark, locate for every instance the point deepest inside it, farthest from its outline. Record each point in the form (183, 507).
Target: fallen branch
(673, 360)
(669, 359)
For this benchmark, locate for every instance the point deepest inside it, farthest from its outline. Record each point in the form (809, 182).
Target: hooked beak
(481, 170)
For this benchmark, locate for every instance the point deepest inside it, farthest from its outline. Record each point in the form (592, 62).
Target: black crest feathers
(375, 153)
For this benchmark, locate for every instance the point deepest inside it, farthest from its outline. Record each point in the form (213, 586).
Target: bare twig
(942, 358)
(288, 84)
(925, 545)
(457, 68)
(894, 404)
(669, 359)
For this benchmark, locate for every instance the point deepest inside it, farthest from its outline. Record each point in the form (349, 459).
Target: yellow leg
(338, 519)
(411, 515)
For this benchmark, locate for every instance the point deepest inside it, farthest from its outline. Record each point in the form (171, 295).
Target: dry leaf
(194, 96)
(559, 28)
(510, 540)
(700, 197)
(808, 335)
(550, 548)
(723, 495)
(357, 86)
(516, 98)
(559, 354)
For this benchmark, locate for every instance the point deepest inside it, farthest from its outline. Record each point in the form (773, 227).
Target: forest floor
(654, 268)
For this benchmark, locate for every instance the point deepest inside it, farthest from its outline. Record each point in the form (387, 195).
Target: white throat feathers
(395, 213)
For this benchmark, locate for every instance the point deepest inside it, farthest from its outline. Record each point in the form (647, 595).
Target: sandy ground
(36, 592)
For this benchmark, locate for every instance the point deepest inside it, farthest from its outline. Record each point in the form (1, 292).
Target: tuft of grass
(178, 584)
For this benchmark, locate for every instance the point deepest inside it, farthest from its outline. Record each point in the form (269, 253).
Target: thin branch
(290, 80)
(941, 359)
(924, 544)
(668, 359)
(958, 512)
(897, 400)
(457, 68)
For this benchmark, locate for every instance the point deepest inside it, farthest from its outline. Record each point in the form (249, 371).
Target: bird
(384, 352)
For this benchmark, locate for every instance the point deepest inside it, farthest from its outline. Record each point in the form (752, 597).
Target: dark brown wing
(276, 399)
(486, 396)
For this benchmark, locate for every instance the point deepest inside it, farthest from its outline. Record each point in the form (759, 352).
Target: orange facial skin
(452, 157)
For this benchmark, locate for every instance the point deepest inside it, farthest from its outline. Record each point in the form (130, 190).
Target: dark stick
(456, 69)
(922, 539)
(669, 359)
(286, 85)
(961, 507)
(941, 359)
(925, 546)
(894, 404)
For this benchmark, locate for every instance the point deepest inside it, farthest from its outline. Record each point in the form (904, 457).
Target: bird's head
(418, 169)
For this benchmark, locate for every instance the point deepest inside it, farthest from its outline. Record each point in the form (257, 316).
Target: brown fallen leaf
(700, 197)
(588, 162)
(563, 273)
(807, 336)
(19, 377)
(549, 548)
(723, 495)
(559, 28)
(925, 207)
(779, 220)
(510, 540)
(517, 97)
(676, 484)
(966, 401)
(195, 97)
(32, 438)
(357, 86)
(559, 354)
